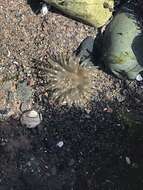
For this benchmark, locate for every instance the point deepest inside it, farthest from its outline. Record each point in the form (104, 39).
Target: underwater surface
(97, 146)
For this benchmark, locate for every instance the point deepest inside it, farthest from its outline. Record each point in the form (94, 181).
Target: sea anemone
(68, 81)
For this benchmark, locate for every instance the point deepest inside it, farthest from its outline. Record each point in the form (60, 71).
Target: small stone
(31, 119)
(128, 161)
(108, 110)
(16, 63)
(25, 106)
(46, 167)
(29, 163)
(44, 9)
(60, 144)
(8, 53)
(139, 77)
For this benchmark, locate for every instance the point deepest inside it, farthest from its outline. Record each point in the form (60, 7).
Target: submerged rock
(93, 12)
(122, 44)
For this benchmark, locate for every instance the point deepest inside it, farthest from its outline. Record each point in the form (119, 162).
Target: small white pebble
(60, 144)
(139, 77)
(128, 161)
(8, 55)
(44, 9)
(31, 119)
(29, 163)
(46, 167)
(87, 111)
(15, 62)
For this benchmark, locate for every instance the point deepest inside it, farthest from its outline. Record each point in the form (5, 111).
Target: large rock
(122, 44)
(93, 12)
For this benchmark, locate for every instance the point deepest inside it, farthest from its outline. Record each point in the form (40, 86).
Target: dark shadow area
(94, 154)
(35, 5)
(91, 49)
(137, 48)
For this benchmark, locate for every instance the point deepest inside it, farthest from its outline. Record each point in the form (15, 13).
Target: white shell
(60, 144)
(31, 119)
(44, 10)
(139, 77)
(128, 161)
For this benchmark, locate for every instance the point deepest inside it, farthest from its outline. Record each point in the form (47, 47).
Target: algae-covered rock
(93, 12)
(122, 44)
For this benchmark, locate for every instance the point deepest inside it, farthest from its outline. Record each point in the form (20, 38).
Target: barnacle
(69, 81)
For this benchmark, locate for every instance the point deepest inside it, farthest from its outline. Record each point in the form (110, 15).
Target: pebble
(44, 10)
(139, 77)
(25, 106)
(60, 144)
(8, 54)
(108, 110)
(16, 63)
(128, 161)
(31, 119)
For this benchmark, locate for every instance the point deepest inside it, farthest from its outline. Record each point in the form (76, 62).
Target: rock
(128, 161)
(31, 119)
(60, 144)
(122, 44)
(93, 12)
(139, 77)
(44, 10)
